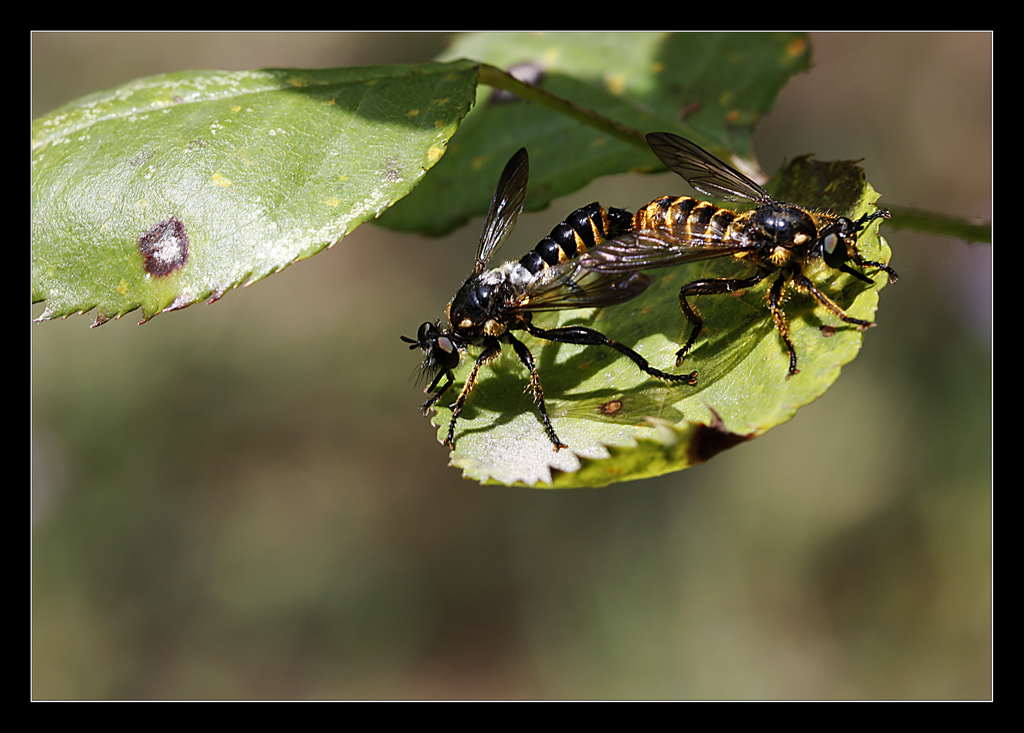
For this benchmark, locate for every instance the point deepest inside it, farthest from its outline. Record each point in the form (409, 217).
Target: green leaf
(176, 188)
(622, 425)
(709, 87)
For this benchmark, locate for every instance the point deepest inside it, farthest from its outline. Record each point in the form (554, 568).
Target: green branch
(929, 222)
(495, 77)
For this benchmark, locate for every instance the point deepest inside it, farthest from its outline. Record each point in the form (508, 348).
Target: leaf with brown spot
(258, 169)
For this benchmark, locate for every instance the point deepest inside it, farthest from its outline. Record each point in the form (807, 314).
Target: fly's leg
(893, 277)
(489, 353)
(712, 286)
(779, 316)
(538, 392)
(802, 283)
(806, 285)
(437, 395)
(589, 337)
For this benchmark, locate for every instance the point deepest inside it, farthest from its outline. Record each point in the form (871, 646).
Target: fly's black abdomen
(583, 229)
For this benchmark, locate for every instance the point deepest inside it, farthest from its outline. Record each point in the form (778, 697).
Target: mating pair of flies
(595, 258)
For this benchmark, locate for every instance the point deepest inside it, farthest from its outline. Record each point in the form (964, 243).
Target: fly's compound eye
(834, 250)
(422, 337)
(836, 244)
(829, 244)
(426, 333)
(444, 352)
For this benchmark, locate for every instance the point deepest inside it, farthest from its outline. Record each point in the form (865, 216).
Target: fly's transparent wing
(648, 249)
(508, 201)
(704, 171)
(571, 285)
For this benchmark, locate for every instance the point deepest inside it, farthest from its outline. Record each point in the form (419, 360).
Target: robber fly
(491, 304)
(777, 238)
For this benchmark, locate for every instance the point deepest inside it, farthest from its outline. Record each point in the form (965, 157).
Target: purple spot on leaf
(164, 247)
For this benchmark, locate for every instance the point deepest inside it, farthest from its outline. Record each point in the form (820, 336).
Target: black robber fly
(778, 239)
(491, 304)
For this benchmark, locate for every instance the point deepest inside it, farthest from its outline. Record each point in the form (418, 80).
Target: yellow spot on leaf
(412, 113)
(616, 84)
(219, 180)
(796, 47)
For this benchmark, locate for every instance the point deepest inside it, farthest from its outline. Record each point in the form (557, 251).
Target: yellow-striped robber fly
(778, 239)
(493, 303)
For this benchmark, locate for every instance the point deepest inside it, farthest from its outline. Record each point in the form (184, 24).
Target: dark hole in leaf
(710, 440)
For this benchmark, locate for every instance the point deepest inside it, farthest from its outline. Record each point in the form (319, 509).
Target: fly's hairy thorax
(480, 307)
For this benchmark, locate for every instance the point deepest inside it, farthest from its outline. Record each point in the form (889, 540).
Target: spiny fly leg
(779, 316)
(538, 392)
(489, 353)
(437, 395)
(893, 277)
(806, 285)
(584, 336)
(711, 286)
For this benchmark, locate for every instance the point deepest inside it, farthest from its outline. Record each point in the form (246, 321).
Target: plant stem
(495, 77)
(929, 222)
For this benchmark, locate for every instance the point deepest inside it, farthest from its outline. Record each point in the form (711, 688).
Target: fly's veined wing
(648, 249)
(704, 171)
(570, 285)
(508, 201)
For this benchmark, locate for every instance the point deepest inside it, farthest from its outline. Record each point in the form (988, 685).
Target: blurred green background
(241, 500)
